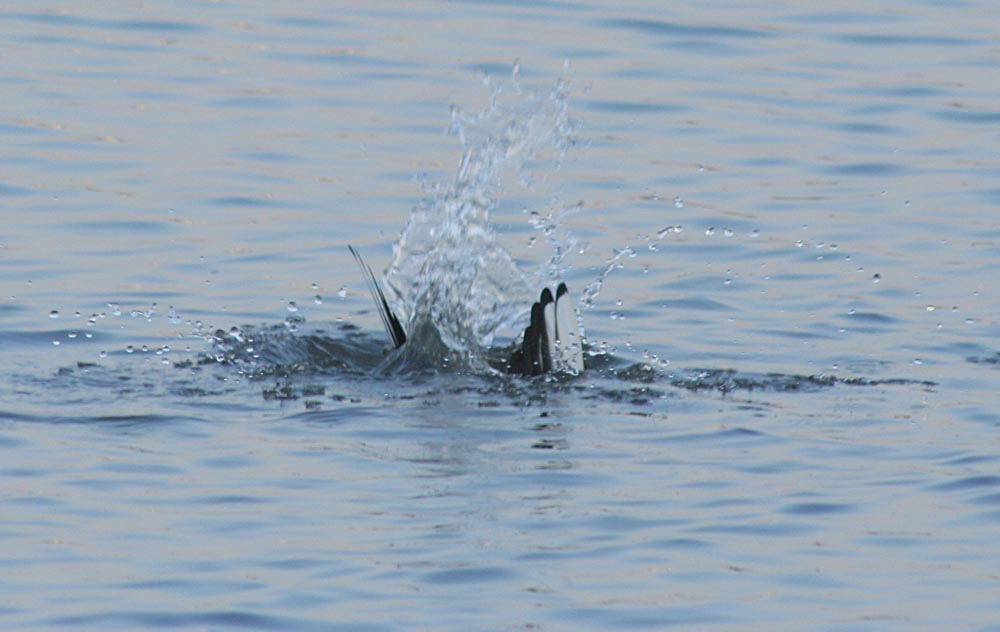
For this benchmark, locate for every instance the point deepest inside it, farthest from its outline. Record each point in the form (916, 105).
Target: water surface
(781, 223)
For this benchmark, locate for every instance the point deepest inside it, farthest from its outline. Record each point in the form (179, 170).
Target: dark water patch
(621, 523)
(230, 462)
(253, 102)
(8, 190)
(988, 499)
(960, 114)
(677, 29)
(897, 538)
(618, 617)
(729, 380)
(729, 435)
(867, 169)
(69, 19)
(973, 459)
(968, 482)
(469, 575)
(346, 58)
(122, 227)
(239, 201)
(694, 303)
(116, 421)
(885, 39)
(228, 499)
(988, 360)
(629, 107)
(141, 468)
(870, 317)
(903, 92)
(817, 509)
(548, 4)
(798, 334)
(770, 529)
(237, 620)
(33, 501)
(310, 22)
(842, 17)
(870, 129)
(681, 544)
(167, 26)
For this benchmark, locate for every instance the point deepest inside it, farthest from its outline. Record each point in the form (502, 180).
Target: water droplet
(678, 202)
(129, 349)
(54, 314)
(56, 342)
(314, 286)
(342, 292)
(103, 354)
(876, 277)
(710, 230)
(318, 299)
(292, 307)
(71, 335)
(755, 234)
(930, 308)
(728, 232)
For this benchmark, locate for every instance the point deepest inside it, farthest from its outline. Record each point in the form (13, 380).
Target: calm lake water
(786, 219)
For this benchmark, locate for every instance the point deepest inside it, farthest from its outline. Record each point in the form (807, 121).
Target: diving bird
(551, 341)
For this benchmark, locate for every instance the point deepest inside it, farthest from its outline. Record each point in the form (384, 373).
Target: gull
(551, 342)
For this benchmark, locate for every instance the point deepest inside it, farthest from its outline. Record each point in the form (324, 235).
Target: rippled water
(781, 223)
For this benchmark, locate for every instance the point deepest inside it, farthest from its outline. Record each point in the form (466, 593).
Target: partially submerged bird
(551, 341)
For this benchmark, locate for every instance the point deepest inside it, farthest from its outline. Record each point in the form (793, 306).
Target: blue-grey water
(782, 221)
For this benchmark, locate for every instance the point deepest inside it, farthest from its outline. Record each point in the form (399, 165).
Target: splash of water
(454, 284)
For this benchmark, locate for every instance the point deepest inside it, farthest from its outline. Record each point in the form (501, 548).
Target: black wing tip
(534, 355)
(389, 320)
